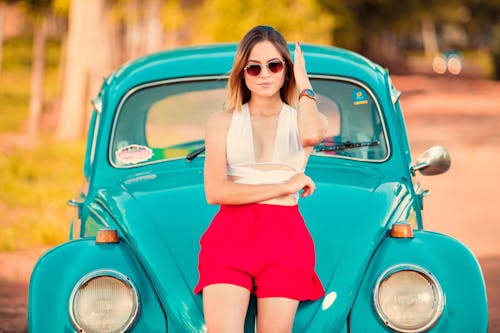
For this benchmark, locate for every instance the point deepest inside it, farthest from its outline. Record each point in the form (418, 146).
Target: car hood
(164, 216)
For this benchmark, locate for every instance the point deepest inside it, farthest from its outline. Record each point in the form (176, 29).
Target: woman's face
(268, 82)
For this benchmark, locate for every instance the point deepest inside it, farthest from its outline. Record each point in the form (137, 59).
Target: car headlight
(103, 301)
(408, 298)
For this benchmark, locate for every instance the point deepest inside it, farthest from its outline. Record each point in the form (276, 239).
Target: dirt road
(461, 114)
(464, 116)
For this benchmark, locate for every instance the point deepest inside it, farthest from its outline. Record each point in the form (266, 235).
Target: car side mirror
(434, 161)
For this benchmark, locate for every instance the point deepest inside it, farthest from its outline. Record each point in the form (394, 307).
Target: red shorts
(266, 249)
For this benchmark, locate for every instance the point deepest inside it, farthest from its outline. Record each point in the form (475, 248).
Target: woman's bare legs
(276, 314)
(225, 308)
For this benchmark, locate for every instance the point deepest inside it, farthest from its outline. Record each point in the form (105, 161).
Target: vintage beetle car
(131, 261)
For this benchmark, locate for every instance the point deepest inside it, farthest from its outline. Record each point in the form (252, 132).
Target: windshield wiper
(192, 155)
(332, 146)
(321, 147)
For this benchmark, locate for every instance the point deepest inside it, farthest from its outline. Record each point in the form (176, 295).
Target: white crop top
(288, 157)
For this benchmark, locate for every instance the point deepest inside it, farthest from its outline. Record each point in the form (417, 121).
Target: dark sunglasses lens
(275, 67)
(253, 70)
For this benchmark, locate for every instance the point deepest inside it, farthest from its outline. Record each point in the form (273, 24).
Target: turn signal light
(402, 230)
(106, 236)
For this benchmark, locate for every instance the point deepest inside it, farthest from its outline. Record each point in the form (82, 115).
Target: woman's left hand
(299, 69)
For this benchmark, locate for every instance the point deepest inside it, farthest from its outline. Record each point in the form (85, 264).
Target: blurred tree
(378, 28)
(39, 11)
(2, 14)
(153, 26)
(483, 26)
(3, 8)
(102, 34)
(61, 7)
(87, 62)
(71, 114)
(222, 21)
(177, 17)
(140, 26)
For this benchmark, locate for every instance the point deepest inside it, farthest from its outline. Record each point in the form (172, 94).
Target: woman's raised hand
(299, 69)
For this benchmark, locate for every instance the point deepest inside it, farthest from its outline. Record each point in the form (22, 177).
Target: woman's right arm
(220, 190)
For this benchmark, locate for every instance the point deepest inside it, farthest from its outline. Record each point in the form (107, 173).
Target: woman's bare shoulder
(219, 120)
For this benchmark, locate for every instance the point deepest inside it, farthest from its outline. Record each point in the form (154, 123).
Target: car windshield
(166, 120)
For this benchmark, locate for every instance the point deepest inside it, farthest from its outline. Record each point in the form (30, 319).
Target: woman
(256, 152)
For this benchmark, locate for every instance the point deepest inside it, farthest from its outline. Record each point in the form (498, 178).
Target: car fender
(58, 271)
(450, 263)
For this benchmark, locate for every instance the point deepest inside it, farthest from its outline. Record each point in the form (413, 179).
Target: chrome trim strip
(428, 275)
(94, 138)
(101, 273)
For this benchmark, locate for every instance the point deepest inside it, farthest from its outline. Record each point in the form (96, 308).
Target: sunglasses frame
(274, 61)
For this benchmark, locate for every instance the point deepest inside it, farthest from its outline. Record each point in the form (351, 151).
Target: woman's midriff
(284, 200)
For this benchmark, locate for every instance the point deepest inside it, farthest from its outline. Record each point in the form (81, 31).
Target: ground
(462, 114)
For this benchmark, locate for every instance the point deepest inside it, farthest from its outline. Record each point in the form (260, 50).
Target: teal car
(130, 264)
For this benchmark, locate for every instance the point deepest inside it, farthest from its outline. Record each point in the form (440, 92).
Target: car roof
(217, 59)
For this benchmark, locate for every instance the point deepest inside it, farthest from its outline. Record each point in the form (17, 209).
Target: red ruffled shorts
(266, 249)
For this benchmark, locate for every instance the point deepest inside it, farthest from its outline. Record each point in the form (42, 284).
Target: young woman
(256, 152)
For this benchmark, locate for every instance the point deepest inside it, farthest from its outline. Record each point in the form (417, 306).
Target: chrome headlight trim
(104, 273)
(440, 299)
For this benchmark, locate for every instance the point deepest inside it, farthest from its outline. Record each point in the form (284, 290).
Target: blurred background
(444, 55)
(54, 55)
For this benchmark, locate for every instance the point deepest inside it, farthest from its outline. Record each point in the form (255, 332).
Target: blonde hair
(237, 90)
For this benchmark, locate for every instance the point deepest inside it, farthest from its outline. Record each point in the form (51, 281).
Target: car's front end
(131, 264)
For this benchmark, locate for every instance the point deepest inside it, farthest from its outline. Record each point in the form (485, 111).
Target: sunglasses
(273, 66)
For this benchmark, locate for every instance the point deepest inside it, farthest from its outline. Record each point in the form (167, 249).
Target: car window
(355, 126)
(163, 121)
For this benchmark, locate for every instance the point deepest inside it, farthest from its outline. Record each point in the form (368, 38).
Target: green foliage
(222, 21)
(14, 97)
(14, 83)
(173, 15)
(363, 21)
(35, 187)
(36, 9)
(61, 7)
(15, 80)
(35, 183)
(17, 55)
(32, 198)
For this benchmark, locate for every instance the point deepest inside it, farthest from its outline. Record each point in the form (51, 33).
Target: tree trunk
(495, 51)
(2, 14)
(37, 76)
(154, 29)
(70, 123)
(429, 37)
(133, 31)
(100, 48)
(87, 63)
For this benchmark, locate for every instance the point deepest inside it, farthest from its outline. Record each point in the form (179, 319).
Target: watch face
(310, 93)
